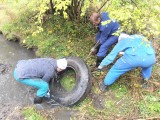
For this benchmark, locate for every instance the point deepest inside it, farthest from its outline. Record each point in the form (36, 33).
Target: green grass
(32, 114)
(63, 38)
(68, 81)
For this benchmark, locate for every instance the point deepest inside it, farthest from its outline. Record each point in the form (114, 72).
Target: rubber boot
(144, 84)
(38, 100)
(102, 87)
(99, 60)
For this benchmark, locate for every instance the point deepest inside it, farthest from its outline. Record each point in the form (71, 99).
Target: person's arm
(120, 46)
(48, 76)
(98, 36)
(104, 34)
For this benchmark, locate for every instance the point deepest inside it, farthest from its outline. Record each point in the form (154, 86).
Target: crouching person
(138, 52)
(37, 73)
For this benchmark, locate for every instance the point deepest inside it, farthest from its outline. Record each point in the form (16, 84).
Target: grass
(32, 114)
(68, 81)
(125, 98)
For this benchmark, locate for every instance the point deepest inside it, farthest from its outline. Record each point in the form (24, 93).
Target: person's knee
(110, 79)
(43, 89)
(45, 86)
(107, 82)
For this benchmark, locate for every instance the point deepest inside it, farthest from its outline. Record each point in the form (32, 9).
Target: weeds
(125, 98)
(32, 114)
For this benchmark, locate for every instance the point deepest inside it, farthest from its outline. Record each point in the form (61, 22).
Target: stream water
(11, 90)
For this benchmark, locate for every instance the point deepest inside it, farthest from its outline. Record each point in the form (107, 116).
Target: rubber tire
(82, 86)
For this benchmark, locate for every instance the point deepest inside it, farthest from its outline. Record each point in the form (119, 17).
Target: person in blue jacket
(138, 52)
(106, 35)
(37, 73)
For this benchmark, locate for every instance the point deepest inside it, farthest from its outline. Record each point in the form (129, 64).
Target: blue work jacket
(106, 28)
(133, 45)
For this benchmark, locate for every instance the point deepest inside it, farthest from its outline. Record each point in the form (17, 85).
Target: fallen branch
(155, 83)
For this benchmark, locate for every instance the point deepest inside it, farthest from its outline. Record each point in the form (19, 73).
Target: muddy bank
(10, 90)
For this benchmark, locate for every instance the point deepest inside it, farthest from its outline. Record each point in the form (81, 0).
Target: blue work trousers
(106, 45)
(127, 63)
(41, 85)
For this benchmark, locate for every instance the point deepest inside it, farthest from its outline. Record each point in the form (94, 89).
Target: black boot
(99, 60)
(144, 83)
(38, 100)
(102, 86)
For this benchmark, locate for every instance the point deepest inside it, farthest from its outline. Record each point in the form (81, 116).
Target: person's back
(107, 22)
(36, 68)
(140, 50)
(37, 73)
(139, 45)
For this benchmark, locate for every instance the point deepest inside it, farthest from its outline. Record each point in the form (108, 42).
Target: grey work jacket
(43, 68)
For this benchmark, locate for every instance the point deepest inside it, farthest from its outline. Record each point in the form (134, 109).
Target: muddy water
(11, 90)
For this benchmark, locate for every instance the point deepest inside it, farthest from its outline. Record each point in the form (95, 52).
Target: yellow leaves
(148, 45)
(137, 85)
(69, 47)
(85, 7)
(65, 14)
(62, 6)
(146, 42)
(50, 31)
(39, 30)
(24, 41)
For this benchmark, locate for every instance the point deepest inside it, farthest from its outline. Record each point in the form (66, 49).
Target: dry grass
(6, 14)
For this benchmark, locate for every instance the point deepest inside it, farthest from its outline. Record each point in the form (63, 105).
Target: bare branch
(102, 6)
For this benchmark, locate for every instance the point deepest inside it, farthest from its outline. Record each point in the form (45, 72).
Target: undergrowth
(125, 98)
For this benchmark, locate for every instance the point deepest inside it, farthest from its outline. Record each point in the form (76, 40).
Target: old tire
(82, 84)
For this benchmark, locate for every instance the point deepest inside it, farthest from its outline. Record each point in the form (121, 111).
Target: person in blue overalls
(138, 52)
(106, 35)
(37, 73)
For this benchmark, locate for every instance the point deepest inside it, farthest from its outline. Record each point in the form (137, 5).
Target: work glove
(98, 71)
(100, 67)
(121, 53)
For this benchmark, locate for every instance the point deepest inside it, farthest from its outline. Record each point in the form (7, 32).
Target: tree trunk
(52, 6)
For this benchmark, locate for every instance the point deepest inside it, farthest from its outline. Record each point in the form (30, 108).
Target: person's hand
(98, 71)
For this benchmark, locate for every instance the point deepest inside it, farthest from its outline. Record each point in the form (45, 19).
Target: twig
(155, 83)
(151, 118)
(134, 3)
(120, 100)
(102, 6)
